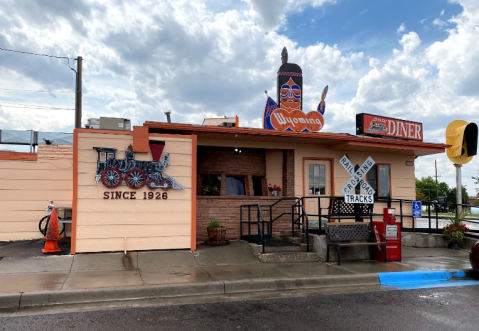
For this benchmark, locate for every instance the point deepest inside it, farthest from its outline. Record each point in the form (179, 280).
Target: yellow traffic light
(463, 138)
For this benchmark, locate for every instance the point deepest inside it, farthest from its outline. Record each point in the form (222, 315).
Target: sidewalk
(66, 279)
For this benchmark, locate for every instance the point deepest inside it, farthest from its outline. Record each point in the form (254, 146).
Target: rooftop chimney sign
(287, 113)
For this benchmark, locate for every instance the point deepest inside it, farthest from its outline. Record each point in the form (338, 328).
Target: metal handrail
(298, 212)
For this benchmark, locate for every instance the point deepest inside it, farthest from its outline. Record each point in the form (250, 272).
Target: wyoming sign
(287, 113)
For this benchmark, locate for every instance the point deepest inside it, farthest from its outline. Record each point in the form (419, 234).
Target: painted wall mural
(287, 113)
(113, 172)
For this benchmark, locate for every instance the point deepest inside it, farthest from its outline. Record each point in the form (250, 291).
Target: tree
(476, 182)
(426, 190)
(420, 196)
(427, 186)
(451, 197)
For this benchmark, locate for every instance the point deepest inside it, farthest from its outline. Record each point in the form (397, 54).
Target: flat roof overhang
(334, 141)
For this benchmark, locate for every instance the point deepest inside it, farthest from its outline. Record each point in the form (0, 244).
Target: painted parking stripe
(426, 279)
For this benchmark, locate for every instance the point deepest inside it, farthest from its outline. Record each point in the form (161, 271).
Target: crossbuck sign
(358, 178)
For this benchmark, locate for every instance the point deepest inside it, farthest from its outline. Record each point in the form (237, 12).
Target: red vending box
(392, 231)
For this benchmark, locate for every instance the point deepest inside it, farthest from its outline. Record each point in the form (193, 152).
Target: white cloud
(401, 29)
(442, 13)
(270, 14)
(438, 22)
(423, 20)
(144, 58)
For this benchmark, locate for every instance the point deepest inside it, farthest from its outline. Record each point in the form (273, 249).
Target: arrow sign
(357, 177)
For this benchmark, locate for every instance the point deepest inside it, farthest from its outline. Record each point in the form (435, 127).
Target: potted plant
(274, 190)
(216, 232)
(454, 232)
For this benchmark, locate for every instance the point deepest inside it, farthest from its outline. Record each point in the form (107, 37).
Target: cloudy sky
(415, 60)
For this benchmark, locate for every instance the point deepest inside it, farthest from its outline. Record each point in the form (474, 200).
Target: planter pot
(217, 234)
(453, 245)
(274, 193)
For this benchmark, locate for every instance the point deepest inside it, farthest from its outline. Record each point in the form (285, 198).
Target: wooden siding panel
(25, 187)
(102, 223)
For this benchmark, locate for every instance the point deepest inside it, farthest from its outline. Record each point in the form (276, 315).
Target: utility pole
(78, 93)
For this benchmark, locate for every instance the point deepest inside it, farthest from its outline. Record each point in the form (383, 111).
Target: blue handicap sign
(416, 209)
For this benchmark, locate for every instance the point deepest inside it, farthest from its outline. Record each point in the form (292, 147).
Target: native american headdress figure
(287, 113)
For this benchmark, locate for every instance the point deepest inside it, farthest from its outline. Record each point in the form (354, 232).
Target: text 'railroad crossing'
(357, 178)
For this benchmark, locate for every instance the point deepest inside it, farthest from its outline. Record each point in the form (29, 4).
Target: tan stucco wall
(402, 176)
(25, 187)
(102, 225)
(274, 168)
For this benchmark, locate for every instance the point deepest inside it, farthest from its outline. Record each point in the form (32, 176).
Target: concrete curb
(48, 298)
(278, 284)
(10, 300)
(111, 294)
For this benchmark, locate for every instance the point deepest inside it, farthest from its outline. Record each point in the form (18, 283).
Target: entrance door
(317, 183)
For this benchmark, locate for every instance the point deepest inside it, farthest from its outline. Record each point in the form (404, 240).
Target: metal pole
(458, 189)
(437, 192)
(78, 94)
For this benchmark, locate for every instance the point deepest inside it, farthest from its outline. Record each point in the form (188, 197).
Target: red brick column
(288, 172)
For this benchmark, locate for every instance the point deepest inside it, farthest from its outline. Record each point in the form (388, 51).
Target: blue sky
(415, 60)
(369, 25)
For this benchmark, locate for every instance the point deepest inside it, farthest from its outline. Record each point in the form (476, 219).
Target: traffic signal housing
(463, 138)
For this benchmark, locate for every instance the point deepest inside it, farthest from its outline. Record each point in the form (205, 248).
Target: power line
(10, 89)
(29, 53)
(19, 105)
(38, 108)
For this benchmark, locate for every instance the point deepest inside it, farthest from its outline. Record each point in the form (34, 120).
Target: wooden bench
(339, 209)
(350, 234)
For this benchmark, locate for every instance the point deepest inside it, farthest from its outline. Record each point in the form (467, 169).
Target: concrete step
(289, 257)
(271, 248)
(278, 249)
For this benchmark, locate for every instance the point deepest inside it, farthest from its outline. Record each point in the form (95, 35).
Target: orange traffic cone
(52, 236)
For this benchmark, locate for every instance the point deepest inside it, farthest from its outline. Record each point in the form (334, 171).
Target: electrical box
(390, 230)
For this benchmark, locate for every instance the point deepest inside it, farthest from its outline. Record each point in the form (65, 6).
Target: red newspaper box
(392, 231)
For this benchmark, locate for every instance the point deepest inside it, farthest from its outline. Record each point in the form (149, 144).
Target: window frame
(376, 196)
(263, 181)
(200, 186)
(246, 191)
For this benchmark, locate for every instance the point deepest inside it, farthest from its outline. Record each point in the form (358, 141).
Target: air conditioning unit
(227, 124)
(109, 123)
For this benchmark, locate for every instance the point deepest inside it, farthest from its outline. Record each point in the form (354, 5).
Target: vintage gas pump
(392, 231)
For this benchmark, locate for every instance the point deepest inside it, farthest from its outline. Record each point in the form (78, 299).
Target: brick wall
(224, 161)
(227, 210)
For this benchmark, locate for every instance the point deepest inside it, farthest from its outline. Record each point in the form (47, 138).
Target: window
(235, 185)
(210, 184)
(317, 179)
(258, 185)
(379, 177)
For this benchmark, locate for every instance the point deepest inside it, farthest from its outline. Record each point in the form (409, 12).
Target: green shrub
(214, 223)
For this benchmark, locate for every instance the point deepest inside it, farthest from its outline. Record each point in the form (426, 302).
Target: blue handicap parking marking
(417, 209)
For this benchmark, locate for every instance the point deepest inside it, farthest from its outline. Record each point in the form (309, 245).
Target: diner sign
(373, 125)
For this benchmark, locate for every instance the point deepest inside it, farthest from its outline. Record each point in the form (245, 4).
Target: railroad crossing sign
(357, 178)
